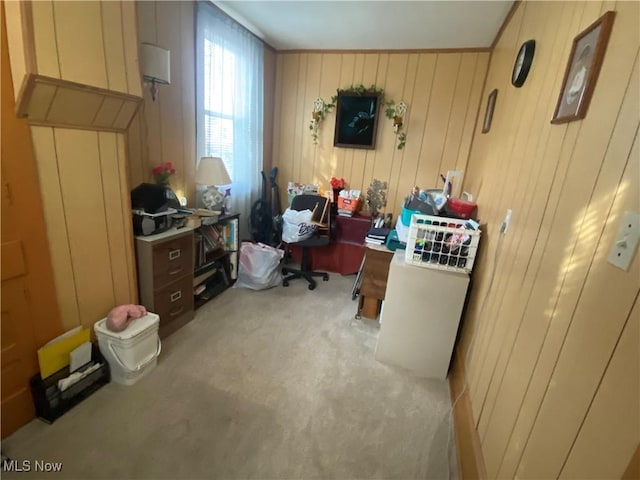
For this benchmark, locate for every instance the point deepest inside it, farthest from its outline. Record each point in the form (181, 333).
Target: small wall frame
(583, 68)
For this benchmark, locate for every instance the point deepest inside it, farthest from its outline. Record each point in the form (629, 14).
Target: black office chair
(319, 206)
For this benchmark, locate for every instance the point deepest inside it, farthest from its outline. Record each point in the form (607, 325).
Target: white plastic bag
(258, 266)
(297, 226)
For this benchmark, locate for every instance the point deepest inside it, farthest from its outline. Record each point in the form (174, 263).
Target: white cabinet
(420, 317)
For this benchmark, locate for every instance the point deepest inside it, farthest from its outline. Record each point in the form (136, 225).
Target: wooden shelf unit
(215, 269)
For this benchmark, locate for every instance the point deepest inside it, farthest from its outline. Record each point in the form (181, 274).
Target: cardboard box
(350, 204)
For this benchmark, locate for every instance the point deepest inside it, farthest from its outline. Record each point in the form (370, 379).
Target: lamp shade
(155, 63)
(211, 171)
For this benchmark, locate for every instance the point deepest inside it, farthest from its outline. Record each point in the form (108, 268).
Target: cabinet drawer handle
(175, 313)
(176, 295)
(176, 271)
(173, 254)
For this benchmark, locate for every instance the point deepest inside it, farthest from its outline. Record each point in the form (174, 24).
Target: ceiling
(370, 25)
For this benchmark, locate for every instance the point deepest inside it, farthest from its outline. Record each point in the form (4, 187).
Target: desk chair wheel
(325, 277)
(312, 286)
(285, 283)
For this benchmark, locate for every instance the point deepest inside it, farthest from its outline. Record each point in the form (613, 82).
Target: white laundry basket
(132, 353)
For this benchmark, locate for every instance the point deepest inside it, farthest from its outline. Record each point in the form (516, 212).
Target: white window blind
(219, 82)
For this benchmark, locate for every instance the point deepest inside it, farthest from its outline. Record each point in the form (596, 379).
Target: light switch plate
(626, 241)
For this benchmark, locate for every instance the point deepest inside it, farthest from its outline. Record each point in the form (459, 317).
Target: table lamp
(212, 173)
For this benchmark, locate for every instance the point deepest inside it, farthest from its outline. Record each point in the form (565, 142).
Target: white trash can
(133, 352)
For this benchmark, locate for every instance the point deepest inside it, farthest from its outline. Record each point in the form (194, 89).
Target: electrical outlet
(506, 221)
(626, 241)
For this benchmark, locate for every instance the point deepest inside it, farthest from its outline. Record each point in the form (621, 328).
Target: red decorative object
(338, 183)
(161, 173)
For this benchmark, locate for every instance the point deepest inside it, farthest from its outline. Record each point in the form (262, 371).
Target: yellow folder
(56, 354)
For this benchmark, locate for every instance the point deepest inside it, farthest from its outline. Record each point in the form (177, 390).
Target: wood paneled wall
(442, 91)
(83, 174)
(165, 130)
(554, 368)
(87, 42)
(83, 179)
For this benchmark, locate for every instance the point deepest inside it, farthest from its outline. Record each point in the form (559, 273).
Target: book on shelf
(203, 250)
(233, 265)
(232, 246)
(212, 236)
(200, 279)
(216, 247)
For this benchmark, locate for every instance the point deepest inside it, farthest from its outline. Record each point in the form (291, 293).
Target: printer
(153, 207)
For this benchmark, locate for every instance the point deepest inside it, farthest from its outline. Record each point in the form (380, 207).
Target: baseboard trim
(469, 450)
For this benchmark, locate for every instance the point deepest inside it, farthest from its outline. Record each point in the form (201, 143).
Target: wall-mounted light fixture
(155, 63)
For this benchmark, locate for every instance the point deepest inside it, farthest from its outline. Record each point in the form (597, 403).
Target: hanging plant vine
(392, 110)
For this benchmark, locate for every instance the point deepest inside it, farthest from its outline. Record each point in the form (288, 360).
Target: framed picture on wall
(583, 67)
(356, 120)
(488, 114)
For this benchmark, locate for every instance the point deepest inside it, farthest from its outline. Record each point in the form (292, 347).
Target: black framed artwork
(356, 120)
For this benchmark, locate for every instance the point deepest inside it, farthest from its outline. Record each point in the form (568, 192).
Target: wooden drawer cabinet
(172, 259)
(374, 281)
(174, 300)
(165, 277)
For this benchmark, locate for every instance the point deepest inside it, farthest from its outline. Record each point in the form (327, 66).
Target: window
(229, 103)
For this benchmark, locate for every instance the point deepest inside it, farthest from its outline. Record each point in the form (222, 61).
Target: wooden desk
(374, 281)
(345, 252)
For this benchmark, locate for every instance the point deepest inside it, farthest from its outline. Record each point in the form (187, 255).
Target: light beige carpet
(269, 385)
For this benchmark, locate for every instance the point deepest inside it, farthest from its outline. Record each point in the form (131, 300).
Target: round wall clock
(523, 63)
